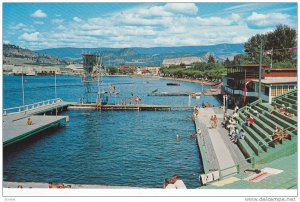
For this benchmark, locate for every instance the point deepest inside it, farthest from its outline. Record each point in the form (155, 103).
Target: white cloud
(61, 27)
(22, 27)
(57, 21)
(77, 19)
(39, 14)
(38, 22)
(19, 26)
(186, 8)
(257, 20)
(30, 37)
(156, 25)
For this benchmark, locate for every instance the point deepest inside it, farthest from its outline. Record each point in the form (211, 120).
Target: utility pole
(23, 86)
(260, 61)
(55, 93)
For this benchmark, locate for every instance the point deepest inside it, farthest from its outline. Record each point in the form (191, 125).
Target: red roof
(124, 68)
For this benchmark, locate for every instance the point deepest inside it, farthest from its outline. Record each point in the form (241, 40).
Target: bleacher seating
(259, 141)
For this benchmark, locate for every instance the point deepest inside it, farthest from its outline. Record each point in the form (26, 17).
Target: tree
(280, 40)
(227, 62)
(113, 70)
(252, 47)
(211, 59)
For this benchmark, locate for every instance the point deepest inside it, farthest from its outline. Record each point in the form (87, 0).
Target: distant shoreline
(209, 83)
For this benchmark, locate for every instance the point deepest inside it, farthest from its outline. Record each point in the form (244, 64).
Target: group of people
(213, 121)
(191, 135)
(281, 110)
(230, 123)
(135, 99)
(59, 186)
(174, 183)
(279, 133)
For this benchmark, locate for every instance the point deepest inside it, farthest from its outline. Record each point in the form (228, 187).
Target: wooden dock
(42, 114)
(47, 107)
(174, 94)
(212, 92)
(133, 107)
(18, 130)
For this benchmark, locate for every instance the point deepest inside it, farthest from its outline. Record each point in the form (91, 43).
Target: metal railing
(281, 137)
(237, 167)
(29, 107)
(284, 95)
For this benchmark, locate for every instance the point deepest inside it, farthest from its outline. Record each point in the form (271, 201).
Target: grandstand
(260, 145)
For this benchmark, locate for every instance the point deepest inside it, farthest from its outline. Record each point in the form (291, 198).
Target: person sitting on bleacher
(255, 112)
(231, 123)
(289, 114)
(235, 115)
(250, 121)
(286, 135)
(277, 134)
(241, 134)
(281, 109)
(273, 110)
(234, 136)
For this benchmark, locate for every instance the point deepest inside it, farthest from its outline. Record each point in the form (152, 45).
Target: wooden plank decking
(139, 107)
(18, 130)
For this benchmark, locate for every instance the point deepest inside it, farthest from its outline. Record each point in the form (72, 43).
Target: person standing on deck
(211, 121)
(215, 121)
(137, 99)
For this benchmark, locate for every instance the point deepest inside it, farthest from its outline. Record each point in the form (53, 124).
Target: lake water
(109, 148)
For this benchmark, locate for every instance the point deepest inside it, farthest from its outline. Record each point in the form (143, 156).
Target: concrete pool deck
(220, 152)
(73, 186)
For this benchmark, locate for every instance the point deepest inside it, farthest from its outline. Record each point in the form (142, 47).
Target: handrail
(279, 137)
(31, 106)
(284, 94)
(237, 166)
(251, 104)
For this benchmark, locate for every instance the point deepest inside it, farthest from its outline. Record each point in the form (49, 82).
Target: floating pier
(174, 94)
(43, 115)
(134, 107)
(18, 130)
(212, 92)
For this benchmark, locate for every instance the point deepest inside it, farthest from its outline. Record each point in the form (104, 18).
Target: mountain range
(147, 56)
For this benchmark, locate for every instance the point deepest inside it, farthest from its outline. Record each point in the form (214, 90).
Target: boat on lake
(173, 84)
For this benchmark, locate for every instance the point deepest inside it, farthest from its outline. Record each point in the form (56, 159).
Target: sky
(89, 25)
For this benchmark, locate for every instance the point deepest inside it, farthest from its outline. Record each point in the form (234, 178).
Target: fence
(33, 106)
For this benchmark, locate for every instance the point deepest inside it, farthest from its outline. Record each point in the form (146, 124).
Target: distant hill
(148, 56)
(15, 55)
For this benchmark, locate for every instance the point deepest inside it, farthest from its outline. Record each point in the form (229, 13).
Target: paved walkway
(221, 149)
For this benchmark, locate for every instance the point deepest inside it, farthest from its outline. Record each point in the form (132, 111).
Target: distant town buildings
(124, 68)
(181, 60)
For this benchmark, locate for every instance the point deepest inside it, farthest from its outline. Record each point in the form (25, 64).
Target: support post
(260, 61)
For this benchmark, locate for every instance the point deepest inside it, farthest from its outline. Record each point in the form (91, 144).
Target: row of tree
(201, 70)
